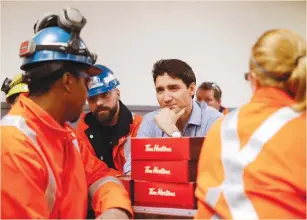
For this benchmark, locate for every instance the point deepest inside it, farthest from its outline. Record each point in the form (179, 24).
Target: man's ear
(117, 92)
(192, 88)
(67, 82)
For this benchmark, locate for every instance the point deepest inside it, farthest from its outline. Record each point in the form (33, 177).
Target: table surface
(157, 212)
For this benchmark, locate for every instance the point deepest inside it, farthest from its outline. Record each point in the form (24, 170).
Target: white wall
(213, 37)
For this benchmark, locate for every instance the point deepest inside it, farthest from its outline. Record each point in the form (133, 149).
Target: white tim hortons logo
(157, 148)
(96, 82)
(109, 78)
(156, 170)
(160, 192)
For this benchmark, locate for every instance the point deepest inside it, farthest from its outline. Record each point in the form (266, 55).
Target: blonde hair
(278, 59)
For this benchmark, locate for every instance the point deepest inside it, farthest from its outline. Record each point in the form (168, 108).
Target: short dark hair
(211, 85)
(42, 77)
(174, 68)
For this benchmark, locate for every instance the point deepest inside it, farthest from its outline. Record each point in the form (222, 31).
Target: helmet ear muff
(71, 20)
(49, 20)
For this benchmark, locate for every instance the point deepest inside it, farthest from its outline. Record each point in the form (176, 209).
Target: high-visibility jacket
(253, 162)
(121, 152)
(223, 110)
(46, 173)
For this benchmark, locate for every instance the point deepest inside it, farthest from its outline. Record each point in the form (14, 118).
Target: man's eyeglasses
(88, 79)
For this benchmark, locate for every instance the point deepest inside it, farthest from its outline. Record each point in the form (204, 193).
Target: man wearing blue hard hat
(46, 171)
(108, 126)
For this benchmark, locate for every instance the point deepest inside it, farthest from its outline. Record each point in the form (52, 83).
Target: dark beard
(105, 120)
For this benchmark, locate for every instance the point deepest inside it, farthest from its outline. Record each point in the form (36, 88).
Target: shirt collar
(42, 115)
(195, 117)
(271, 95)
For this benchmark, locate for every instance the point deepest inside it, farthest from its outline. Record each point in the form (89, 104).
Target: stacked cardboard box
(164, 171)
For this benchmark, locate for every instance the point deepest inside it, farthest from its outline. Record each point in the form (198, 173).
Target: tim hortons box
(183, 148)
(128, 184)
(182, 171)
(168, 195)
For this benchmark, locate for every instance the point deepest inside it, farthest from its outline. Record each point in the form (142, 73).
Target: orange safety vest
(121, 152)
(46, 173)
(253, 162)
(224, 110)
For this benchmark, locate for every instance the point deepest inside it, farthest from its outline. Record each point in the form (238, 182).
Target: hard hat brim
(98, 91)
(19, 88)
(93, 71)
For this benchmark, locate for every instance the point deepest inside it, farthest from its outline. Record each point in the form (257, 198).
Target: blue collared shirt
(201, 119)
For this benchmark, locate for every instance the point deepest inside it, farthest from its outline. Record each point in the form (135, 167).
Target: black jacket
(105, 138)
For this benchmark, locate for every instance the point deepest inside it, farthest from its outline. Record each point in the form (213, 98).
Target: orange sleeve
(106, 190)
(24, 178)
(111, 195)
(209, 170)
(114, 172)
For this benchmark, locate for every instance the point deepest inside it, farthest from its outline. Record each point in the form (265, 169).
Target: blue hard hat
(51, 44)
(104, 82)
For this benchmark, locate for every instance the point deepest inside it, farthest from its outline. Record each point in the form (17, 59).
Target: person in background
(13, 88)
(46, 171)
(107, 128)
(179, 115)
(211, 93)
(109, 125)
(252, 164)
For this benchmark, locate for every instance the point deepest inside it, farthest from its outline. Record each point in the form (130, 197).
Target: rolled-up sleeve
(109, 192)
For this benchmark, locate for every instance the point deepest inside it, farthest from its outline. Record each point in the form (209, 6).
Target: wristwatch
(176, 134)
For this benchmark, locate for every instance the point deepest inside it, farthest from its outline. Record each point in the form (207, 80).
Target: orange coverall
(46, 173)
(253, 162)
